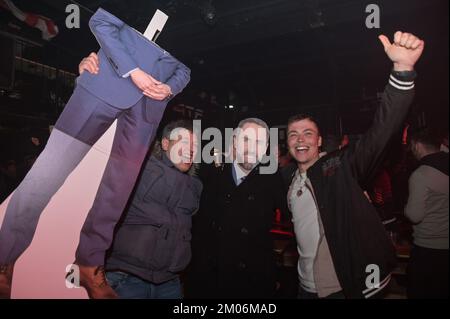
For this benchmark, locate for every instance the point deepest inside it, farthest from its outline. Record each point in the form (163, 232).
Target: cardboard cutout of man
(135, 80)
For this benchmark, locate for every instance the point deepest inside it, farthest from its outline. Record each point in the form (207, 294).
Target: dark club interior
(353, 99)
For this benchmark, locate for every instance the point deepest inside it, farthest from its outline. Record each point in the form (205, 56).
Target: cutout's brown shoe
(93, 279)
(6, 273)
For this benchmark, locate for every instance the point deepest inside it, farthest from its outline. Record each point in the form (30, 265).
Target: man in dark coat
(152, 244)
(232, 247)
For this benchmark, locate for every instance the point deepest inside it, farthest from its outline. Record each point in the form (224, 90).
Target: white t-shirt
(306, 227)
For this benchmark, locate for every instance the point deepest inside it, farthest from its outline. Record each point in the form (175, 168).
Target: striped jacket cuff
(401, 84)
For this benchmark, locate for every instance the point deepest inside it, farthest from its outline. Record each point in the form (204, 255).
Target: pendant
(299, 192)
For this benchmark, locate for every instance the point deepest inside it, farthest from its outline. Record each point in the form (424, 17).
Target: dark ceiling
(238, 22)
(269, 53)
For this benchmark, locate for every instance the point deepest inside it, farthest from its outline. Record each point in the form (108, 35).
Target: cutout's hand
(146, 83)
(89, 64)
(162, 92)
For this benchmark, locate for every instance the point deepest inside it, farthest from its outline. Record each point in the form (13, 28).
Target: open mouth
(302, 149)
(186, 159)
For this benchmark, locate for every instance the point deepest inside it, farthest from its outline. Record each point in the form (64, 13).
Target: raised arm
(395, 103)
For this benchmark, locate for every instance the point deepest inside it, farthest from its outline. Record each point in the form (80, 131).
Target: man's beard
(247, 161)
(248, 166)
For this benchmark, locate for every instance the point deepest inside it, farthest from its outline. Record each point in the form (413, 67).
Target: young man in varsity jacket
(343, 247)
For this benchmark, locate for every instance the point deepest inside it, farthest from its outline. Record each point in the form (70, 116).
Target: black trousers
(427, 273)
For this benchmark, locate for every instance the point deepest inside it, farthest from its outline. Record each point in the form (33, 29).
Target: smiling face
(181, 149)
(250, 145)
(304, 142)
